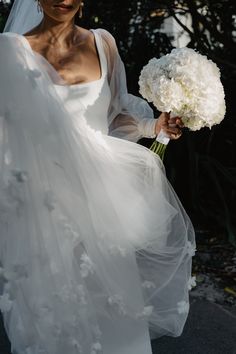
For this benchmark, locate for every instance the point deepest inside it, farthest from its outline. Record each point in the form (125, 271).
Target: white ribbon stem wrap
(162, 137)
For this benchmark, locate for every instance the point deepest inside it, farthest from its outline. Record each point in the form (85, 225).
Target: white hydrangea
(187, 84)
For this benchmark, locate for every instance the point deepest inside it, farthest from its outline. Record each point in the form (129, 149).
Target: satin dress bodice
(92, 98)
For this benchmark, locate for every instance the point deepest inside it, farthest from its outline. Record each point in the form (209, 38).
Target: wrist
(147, 127)
(157, 127)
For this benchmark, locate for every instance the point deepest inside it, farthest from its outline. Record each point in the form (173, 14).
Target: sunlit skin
(71, 50)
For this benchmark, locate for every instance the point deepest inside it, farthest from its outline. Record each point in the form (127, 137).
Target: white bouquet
(188, 85)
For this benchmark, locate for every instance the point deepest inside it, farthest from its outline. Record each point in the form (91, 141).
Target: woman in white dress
(95, 247)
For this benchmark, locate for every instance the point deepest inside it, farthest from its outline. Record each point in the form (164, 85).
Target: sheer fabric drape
(92, 233)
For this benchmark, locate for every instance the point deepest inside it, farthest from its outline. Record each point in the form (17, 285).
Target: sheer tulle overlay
(93, 237)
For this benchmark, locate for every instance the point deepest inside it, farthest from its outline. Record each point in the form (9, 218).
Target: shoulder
(6, 36)
(104, 33)
(10, 40)
(107, 38)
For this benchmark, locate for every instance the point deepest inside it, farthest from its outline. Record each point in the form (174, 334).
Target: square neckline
(99, 55)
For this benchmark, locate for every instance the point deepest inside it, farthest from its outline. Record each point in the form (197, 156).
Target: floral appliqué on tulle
(96, 348)
(183, 307)
(5, 303)
(147, 311)
(116, 301)
(86, 266)
(191, 282)
(12, 194)
(190, 249)
(147, 284)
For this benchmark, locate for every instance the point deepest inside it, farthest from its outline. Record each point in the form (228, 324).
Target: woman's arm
(130, 117)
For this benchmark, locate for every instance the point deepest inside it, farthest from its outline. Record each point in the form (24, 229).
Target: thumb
(166, 116)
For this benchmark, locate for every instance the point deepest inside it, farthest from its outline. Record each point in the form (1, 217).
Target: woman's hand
(171, 126)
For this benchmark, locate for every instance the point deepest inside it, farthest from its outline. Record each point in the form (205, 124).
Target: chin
(60, 17)
(61, 13)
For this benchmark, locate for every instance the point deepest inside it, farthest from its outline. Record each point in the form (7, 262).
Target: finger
(175, 118)
(180, 123)
(166, 117)
(171, 123)
(163, 118)
(175, 136)
(172, 120)
(173, 130)
(177, 121)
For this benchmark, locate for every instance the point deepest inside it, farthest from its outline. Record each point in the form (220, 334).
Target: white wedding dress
(95, 247)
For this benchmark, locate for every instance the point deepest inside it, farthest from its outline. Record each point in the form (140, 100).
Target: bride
(95, 246)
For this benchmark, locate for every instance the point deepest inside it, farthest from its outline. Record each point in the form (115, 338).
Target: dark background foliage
(201, 165)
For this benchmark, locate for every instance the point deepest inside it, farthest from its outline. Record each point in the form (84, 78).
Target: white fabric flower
(68, 229)
(20, 175)
(82, 294)
(96, 347)
(5, 303)
(49, 200)
(190, 249)
(76, 345)
(147, 311)
(117, 300)
(8, 274)
(148, 284)
(97, 331)
(191, 282)
(15, 191)
(183, 307)
(86, 266)
(117, 250)
(187, 84)
(66, 293)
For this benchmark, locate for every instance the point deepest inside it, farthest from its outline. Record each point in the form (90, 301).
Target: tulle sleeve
(129, 117)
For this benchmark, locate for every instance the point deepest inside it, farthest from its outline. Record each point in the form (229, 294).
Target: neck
(57, 33)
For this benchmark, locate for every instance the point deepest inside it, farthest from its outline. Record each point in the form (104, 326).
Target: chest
(78, 65)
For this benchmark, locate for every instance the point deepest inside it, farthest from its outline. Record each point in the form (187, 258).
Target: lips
(63, 6)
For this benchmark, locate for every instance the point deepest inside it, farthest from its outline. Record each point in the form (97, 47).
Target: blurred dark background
(201, 165)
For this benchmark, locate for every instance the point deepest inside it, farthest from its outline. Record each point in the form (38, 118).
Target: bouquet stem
(159, 149)
(160, 144)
